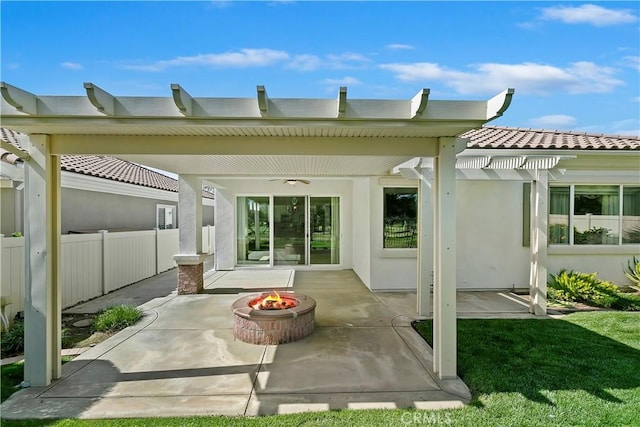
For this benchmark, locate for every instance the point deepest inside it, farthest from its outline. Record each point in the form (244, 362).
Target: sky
(575, 66)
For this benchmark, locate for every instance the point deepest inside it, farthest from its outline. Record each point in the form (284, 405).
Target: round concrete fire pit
(273, 326)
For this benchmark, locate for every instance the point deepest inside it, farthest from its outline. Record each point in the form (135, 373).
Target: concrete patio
(183, 360)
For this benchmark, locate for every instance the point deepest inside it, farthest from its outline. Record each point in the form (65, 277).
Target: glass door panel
(324, 214)
(289, 230)
(252, 240)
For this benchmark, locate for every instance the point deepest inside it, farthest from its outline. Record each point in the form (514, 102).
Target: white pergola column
(538, 243)
(190, 259)
(444, 286)
(42, 303)
(425, 241)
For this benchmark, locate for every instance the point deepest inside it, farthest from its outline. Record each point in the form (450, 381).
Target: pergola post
(538, 243)
(444, 251)
(190, 259)
(42, 303)
(425, 241)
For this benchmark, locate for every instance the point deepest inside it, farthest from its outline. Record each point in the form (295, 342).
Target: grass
(117, 318)
(581, 370)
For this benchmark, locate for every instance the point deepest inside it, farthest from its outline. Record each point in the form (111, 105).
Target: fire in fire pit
(273, 302)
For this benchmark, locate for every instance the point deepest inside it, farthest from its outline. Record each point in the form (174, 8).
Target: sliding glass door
(288, 230)
(324, 216)
(253, 239)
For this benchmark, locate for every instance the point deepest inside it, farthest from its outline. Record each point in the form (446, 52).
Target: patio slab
(183, 360)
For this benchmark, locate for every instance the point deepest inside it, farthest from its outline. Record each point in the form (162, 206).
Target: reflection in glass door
(289, 230)
(253, 241)
(324, 215)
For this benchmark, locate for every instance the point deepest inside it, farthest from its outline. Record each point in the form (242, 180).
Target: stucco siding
(490, 254)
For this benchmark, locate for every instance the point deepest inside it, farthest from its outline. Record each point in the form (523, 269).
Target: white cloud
(627, 127)
(346, 81)
(305, 62)
(349, 60)
(72, 65)
(239, 59)
(632, 61)
(589, 14)
(555, 121)
(526, 78)
(399, 46)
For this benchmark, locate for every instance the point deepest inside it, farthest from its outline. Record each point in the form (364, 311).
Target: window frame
(174, 215)
(572, 217)
(397, 251)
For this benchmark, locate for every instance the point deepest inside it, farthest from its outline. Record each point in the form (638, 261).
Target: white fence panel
(167, 247)
(129, 258)
(12, 275)
(208, 239)
(81, 267)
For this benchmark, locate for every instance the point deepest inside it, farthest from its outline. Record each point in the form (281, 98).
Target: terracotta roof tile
(496, 137)
(108, 168)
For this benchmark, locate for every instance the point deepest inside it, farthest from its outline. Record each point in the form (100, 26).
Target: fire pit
(273, 318)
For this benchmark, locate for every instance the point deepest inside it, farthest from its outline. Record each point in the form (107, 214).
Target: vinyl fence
(94, 264)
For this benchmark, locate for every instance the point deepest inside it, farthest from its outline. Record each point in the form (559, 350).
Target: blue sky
(574, 65)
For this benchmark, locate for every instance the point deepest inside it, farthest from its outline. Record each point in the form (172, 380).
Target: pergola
(241, 137)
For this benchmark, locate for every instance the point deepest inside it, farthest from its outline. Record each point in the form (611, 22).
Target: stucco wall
(391, 269)
(361, 229)
(85, 210)
(490, 254)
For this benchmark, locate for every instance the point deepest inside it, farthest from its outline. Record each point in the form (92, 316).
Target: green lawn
(582, 370)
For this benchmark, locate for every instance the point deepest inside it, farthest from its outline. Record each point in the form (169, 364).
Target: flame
(272, 297)
(268, 301)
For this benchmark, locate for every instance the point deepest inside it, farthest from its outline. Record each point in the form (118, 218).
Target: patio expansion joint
(255, 380)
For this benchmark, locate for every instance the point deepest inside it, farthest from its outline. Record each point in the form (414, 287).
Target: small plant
(593, 236)
(582, 287)
(116, 318)
(633, 271)
(12, 341)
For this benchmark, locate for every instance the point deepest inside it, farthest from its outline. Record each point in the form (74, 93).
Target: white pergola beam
(101, 99)
(342, 102)
(21, 100)
(263, 101)
(538, 243)
(497, 105)
(444, 286)
(182, 99)
(42, 305)
(425, 240)
(419, 103)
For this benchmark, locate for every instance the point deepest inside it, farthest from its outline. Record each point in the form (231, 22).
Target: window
(400, 217)
(596, 214)
(165, 217)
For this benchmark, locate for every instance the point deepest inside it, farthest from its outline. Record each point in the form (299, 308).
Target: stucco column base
(190, 273)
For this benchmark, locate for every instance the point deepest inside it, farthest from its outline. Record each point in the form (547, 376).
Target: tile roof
(496, 137)
(108, 168)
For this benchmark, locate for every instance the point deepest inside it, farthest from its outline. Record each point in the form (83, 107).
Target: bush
(633, 271)
(582, 287)
(12, 341)
(116, 318)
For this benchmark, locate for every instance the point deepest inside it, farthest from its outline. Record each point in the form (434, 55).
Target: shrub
(582, 287)
(633, 271)
(12, 341)
(116, 318)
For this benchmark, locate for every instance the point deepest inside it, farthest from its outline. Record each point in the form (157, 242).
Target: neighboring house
(98, 193)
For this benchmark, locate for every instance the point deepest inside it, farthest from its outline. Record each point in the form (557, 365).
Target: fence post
(104, 260)
(157, 248)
